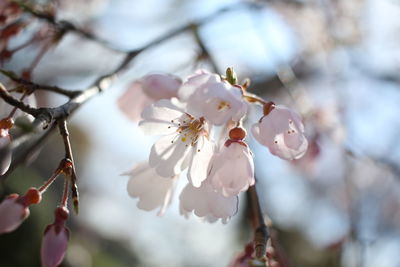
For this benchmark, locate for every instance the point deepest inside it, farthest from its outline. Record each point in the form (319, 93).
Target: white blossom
(282, 132)
(218, 101)
(185, 141)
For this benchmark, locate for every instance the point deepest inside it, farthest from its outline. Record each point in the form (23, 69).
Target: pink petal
(159, 86)
(205, 202)
(168, 155)
(133, 101)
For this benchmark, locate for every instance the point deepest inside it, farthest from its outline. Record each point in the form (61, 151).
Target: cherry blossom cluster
(200, 124)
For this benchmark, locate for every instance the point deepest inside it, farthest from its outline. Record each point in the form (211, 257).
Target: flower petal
(198, 168)
(168, 155)
(152, 190)
(133, 101)
(232, 170)
(205, 202)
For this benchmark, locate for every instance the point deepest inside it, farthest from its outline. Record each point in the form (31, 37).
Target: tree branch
(64, 26)
(261, 234)
(5, 95)
(62, 125)
(35, 87)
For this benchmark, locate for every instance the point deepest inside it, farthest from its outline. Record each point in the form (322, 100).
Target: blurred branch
(204, 52)
(16, 102)
(261, 234)
(23, 154)
(62, 125)
(63, 26)
(34, 87)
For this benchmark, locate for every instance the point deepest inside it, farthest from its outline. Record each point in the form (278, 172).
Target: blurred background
(336, 62)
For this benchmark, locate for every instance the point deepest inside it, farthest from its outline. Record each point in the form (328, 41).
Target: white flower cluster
(186, 116)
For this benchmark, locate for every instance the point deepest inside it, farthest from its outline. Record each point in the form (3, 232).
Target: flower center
(222, 105)
(190, 129)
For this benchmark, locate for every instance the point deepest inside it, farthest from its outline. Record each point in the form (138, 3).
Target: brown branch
(62, 125)
(5, 95)
(30, 86)
(64, 26)
(205, 53)
(261, 234)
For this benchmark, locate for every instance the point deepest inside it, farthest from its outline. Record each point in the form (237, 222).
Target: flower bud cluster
(14, 209)
(186, 116)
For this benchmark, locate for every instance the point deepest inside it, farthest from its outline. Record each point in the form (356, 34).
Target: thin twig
(34, 86)
(62, 124)
(64, 26)
(5, 95)
(44, 187)
(205, 53)
(64, 199)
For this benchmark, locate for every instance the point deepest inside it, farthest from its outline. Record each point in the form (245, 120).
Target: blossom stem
(254, 99)
(44, 187)
(261, 234)
(64, 199)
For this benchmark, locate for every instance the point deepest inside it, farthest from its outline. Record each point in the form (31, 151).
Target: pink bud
(55, 240)
(12, 213)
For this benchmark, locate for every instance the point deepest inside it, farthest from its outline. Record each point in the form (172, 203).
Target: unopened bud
(61, 214)
(55, 239)
(6, 124)
(246, 84)
(12, 213)
(33, 196)
(54, 245)
(231, 76)
(237, 133)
